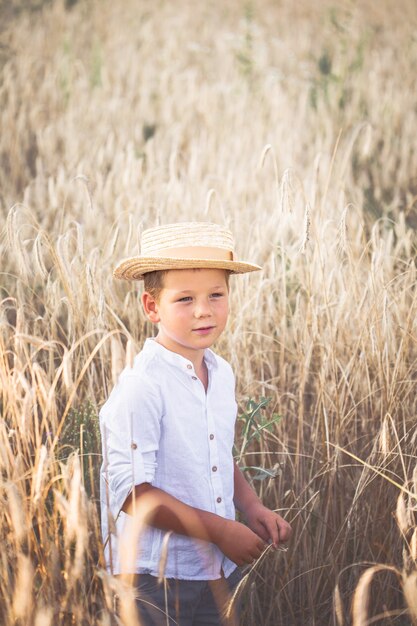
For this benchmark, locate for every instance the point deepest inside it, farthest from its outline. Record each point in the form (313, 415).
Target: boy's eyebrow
(210, 289)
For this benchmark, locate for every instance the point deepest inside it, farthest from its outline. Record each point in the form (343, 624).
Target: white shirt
(160, 426)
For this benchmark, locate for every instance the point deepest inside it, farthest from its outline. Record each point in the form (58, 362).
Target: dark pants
(186, 602)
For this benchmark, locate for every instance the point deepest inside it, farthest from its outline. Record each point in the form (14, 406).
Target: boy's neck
(195, 356)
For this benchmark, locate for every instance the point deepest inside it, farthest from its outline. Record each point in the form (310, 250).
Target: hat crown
(186, 235)
(186, 245)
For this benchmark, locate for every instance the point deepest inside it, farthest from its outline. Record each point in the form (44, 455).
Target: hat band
(195, 252)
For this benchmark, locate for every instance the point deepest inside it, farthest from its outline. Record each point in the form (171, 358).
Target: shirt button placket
(214, 465)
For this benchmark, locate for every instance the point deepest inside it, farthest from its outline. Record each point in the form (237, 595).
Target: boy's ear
(150, 306)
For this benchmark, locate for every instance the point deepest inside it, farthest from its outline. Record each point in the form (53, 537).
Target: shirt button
(134, 446)
(219, 499)
(190, 367)
(214, 468)
(194, 377)
(212, 437)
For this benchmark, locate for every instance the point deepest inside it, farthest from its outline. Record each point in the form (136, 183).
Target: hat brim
(136, 267)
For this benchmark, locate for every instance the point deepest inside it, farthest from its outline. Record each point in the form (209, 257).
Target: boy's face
(191, 310)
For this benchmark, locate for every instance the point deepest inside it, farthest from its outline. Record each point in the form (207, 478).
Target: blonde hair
(153, 283)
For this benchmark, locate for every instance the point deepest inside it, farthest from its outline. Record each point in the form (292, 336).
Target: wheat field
(293, 123)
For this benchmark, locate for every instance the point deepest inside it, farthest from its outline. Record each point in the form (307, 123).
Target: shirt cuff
(122, 483)
(150, 465)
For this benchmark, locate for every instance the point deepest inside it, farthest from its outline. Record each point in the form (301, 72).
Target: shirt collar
(152, 346)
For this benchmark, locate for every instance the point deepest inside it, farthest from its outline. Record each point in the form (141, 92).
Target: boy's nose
(202, 309)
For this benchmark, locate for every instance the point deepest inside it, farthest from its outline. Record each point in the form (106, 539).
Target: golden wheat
(295, 124)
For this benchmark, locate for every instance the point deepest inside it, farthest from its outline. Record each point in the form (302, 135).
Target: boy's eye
(185, 299)
(217, 295)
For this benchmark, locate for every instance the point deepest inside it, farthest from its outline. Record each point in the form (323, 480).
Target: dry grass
(295, 123)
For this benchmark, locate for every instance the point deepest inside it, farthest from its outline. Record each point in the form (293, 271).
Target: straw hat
(186, 245)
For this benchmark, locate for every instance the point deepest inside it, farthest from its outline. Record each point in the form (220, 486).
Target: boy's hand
(267, 524)
(239, 543)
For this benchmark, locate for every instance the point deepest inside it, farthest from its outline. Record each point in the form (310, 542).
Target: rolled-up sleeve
(130, 424)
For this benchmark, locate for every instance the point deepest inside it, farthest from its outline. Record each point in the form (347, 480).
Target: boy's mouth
(203, 330)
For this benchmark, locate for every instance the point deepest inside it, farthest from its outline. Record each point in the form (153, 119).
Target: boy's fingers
(280, 531)
(284, 531)
(273, 532)
(261, 546)
(262, 531)
(255, 554)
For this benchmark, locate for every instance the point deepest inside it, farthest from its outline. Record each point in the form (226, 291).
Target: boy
(167, 431)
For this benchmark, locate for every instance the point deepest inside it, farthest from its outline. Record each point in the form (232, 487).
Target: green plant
(81, 433)
(253, 423)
